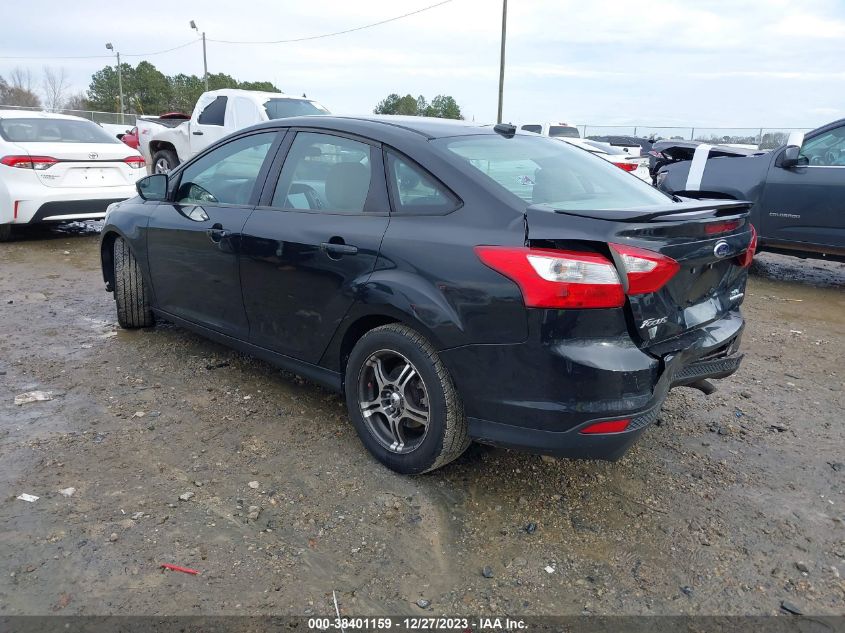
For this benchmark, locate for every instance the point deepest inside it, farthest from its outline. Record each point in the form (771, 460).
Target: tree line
(147, 90)
(442, 106)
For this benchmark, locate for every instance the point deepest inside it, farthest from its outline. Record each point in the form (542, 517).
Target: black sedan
(456, 282)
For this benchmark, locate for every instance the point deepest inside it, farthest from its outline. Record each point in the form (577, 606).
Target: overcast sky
(650, 62)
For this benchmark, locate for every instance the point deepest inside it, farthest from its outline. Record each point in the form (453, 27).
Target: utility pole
(204, 59)
(502, 59)
(119, 80)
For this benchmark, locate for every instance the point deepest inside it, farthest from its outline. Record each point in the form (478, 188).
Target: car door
(804, 204)
(313, 242)
(193, 241)
(210, 125)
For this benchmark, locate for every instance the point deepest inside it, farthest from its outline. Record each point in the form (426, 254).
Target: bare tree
(56, 86)
(77, 101)
(21, 79)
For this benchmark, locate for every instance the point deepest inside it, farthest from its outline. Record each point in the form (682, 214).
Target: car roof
(37, 114)
(378, 125)
(254, 94)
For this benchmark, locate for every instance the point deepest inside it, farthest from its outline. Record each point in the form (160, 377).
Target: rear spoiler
(669, 212)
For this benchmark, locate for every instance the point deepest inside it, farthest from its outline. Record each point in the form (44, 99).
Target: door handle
(216, 233)
(198, 133)
(338, 248)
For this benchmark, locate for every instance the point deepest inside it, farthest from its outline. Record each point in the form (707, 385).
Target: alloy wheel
(394, 401)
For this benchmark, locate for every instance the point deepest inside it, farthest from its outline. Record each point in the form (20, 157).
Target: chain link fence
(760, 138)
(110, 118)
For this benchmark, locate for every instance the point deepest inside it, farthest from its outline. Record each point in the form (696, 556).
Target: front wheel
(402, 401)
(130, 290)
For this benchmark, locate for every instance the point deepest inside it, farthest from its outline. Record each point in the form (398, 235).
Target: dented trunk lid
(709, 284)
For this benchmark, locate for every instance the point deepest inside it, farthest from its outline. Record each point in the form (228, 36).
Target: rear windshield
(53, 131)
(541, 170)
(565, 131)
(283, 108)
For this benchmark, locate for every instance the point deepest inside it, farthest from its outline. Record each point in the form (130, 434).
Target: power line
(317, 37)
(168, 50)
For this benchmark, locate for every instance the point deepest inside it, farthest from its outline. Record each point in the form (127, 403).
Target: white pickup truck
(218, 113)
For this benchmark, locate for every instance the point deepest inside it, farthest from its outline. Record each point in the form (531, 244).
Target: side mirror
(153, 187)
(791, 157)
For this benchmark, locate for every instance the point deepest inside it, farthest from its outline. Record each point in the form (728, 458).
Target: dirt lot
(732, 504)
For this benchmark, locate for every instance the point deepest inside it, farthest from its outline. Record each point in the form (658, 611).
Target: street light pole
(204, 59)
(502, 59)
(119, 80)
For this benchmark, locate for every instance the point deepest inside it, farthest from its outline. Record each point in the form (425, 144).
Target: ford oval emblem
(93, 155)
(722, 249)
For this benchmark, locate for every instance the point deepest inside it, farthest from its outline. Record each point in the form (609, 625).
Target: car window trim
(262, 173)
(394, 195)
(378, 183)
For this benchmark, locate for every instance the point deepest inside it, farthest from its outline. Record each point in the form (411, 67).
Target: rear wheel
(5, 232)
(130, 291)
(402, 401)
(164, 160)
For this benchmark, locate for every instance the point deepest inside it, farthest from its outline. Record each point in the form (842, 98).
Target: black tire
(5, 232)
(444, 437)
(130, 290)
(164, 160)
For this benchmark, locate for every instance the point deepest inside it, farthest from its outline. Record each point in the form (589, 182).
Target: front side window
(826, 150)
(325, 172)
(214, 113)
(537, 129)
(542, 170)
(227, 174)
(416, 191)
(53, 131)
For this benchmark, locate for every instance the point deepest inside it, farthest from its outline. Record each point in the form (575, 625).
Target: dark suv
(456, 282)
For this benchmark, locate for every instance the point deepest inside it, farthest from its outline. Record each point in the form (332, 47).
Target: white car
(632, 164)
(555, 130)
(57, 168)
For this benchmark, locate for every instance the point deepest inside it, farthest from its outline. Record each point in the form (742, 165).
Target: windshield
(541, 170)
(565, 131)
(53, 131)
(283, 108)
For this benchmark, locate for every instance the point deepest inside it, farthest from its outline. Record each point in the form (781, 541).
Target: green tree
(262, 86)
(184, 92)
(442, 106)
(103, 91)
(149, 88)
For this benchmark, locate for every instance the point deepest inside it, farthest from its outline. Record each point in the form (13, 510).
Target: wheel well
(156, 146)
(107, 258)
(354, 333)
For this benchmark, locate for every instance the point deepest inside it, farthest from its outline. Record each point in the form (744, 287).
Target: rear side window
(563, 131)
(282, 108)
(325, 172)
(414, 190)
(53, 131)
(214, 113)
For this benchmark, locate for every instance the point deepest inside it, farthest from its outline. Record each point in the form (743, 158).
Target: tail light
(608, 426)
(747, 257)
(646, 271)
(627, 166)
(136, 162)
(557, 279)
(29, 162)
(550, 278)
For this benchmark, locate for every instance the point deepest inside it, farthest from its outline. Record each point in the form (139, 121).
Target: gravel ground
(182, 451)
